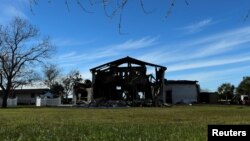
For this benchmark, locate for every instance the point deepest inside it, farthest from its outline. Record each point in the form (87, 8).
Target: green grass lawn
(183, 123)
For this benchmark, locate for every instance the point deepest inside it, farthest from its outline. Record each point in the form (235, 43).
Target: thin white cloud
(209, 63)
(219, 44)
(214, 76)
(10, 9)
(134, 44)
(13, 11)
(120, 49)
(160, 56)
(222, 43)
(71, 58)
(177, 57)
(67, 55)
(198, 26)
(71, 42)
(211, 51)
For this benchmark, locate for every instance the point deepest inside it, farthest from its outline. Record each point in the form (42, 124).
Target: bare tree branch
(121, 14)
(119, 8)
(247, 15)
(51, 72)
(143, 8)
(17, 54)
(31, 3)
(170, 9)
(67, 4)
(82, 7)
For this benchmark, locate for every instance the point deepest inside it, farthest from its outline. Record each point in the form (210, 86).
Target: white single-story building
(28, 96)
(181, 91)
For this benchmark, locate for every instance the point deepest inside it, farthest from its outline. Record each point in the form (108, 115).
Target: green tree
(244, 87)
(57, 89)
(21, 50)
(226, 91)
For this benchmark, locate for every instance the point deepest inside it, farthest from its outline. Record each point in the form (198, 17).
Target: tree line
(61, 86)
(228, 91)
(22, 49)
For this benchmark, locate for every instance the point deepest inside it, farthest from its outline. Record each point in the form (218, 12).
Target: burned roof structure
(126, 79)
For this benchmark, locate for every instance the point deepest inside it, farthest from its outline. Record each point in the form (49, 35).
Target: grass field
(178, 123)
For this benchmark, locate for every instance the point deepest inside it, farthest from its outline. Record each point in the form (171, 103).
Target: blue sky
(206, 40)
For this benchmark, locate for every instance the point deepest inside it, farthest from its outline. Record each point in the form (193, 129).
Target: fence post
(38, 101)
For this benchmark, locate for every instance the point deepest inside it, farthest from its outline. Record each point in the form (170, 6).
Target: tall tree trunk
(5, 98)
(6, 94)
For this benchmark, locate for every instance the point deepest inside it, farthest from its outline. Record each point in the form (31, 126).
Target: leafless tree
(112, 8)
(70, 80)
(51, 73)
(21, 50)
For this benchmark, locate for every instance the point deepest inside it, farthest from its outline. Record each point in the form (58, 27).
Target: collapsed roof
(128, 60)
(127, 79)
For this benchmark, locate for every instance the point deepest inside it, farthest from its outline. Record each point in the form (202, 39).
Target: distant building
(209, 97)
(181, 91)
(28, 96)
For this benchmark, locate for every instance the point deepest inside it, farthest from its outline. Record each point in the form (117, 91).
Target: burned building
(126, 79)
(82, 92)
